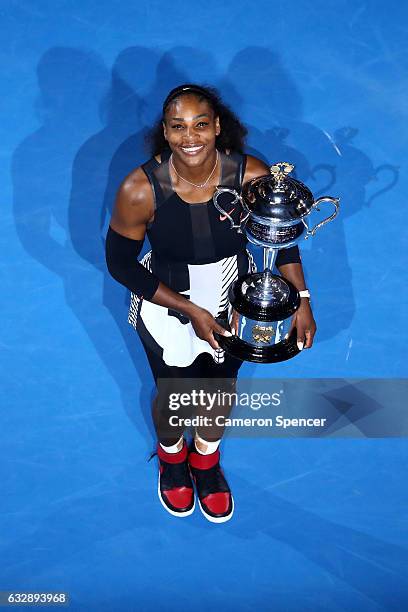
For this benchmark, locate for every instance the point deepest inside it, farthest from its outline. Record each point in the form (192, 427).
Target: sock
(174, 448)
(210, 447)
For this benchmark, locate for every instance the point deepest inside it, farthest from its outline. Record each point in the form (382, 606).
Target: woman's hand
(305, 325)
(205, 325)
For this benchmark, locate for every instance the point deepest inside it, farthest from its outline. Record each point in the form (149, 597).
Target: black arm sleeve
(286, 256)
(121, 259)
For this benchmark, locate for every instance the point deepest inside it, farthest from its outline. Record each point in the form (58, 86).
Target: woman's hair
(233, 132)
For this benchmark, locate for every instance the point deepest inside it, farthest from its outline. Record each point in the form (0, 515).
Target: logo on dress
(224, 217)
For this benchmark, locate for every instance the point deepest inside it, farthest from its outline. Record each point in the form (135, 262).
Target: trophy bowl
(277, 206)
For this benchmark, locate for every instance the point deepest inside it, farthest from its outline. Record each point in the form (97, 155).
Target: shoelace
(214, 478)
(175, 474)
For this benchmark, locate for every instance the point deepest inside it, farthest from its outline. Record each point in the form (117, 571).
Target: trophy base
(282, 351)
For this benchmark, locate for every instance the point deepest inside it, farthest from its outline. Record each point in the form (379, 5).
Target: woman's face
(190, 128)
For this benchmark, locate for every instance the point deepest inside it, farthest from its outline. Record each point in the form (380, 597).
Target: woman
(180, 287)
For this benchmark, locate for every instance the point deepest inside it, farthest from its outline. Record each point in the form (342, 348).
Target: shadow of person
(180, 65)
(176, 66)
(356, 185)
(60, 224)
(361, 182)
(282, 135)
(101, 164)
(42, 161)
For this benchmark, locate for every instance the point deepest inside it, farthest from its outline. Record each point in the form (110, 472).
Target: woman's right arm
(134, 208)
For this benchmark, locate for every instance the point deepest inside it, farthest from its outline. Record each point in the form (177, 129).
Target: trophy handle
(335, 202)
(237, 198)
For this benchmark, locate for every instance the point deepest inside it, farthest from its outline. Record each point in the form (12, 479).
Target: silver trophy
(277, 207)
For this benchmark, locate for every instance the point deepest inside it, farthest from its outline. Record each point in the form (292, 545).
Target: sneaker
(214, 495)
(175, 488)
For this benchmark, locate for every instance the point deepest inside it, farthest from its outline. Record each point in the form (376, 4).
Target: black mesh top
(193, 233)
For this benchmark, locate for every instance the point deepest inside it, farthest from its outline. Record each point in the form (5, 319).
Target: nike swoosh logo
(224, 217)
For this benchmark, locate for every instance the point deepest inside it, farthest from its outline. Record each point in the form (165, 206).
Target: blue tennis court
(320, 523)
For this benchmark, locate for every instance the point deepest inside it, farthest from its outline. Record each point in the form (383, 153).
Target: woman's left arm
(303, 318)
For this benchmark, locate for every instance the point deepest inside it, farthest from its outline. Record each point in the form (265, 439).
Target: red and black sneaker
(175, 487)
(214, 495)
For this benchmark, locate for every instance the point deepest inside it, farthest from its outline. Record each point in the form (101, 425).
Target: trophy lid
(264, 296)
(278, 196)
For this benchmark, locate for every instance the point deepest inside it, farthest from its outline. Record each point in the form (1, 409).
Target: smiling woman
(180, 288)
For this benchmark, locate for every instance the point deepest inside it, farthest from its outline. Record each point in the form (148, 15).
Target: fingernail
(227, 333)
(300, 345)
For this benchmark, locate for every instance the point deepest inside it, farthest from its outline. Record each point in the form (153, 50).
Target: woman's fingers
(205, 326)
(305, 328)
(309, 338)
(218, 330)
(300, 340)
(212, 342)
(234, 322)
(305, 339)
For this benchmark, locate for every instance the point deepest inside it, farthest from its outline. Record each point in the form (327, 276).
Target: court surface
(320, 524)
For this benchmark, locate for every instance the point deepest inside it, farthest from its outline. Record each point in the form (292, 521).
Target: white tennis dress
(194, 252)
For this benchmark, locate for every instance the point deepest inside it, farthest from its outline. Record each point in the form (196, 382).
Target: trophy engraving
(263, 333)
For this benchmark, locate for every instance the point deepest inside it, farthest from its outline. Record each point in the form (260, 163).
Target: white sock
(211, 447)
(174, 448)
